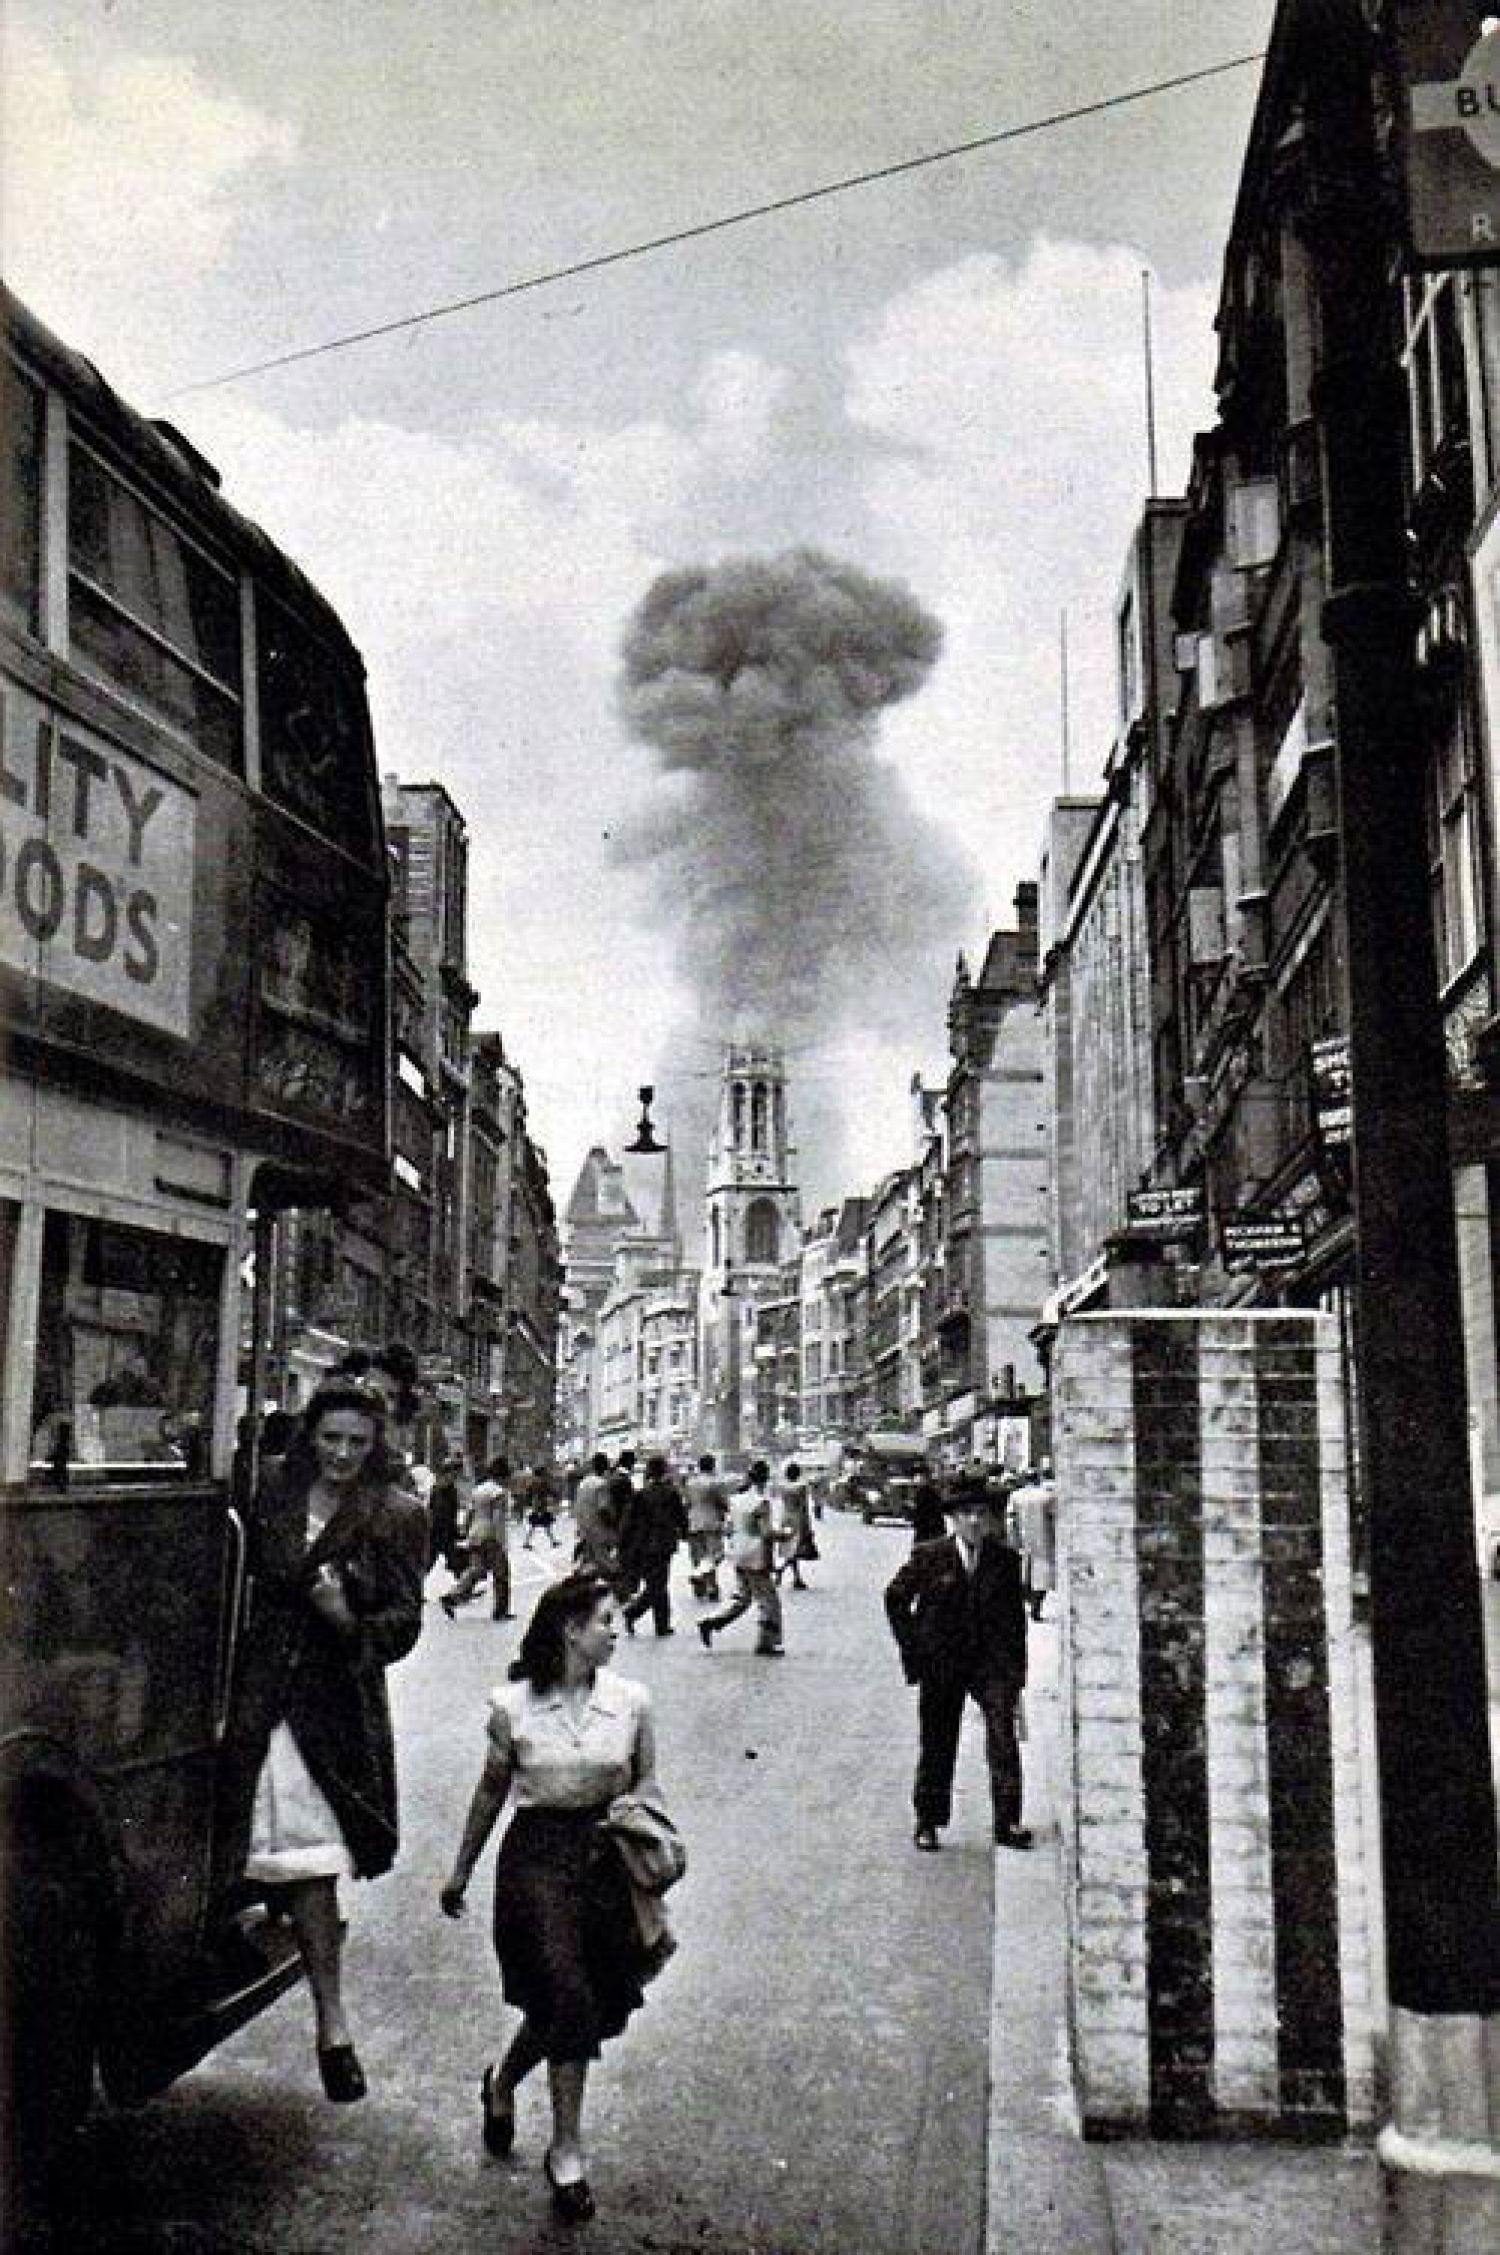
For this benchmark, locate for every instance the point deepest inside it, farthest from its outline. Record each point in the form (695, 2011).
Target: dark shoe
(447, 1603)
(926, 1837)
(1013, 1836)
(499, 2121)
(771, 1651)
(666, 1632)
(574, 2202)
(705, 1636)
(507, 1615)
(343, 2077)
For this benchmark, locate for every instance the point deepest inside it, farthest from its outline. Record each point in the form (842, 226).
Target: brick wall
(1219, 1950)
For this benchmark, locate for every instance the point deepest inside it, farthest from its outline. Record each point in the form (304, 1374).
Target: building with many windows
(832, 1262)
(458, 1260)
(629, 1358)
(1225, 784)
(994, 1190)
(429, 845)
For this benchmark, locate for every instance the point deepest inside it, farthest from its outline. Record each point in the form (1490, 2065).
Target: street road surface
(808, 2075)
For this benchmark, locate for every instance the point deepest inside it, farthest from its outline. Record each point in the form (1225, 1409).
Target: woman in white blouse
(566, 1737)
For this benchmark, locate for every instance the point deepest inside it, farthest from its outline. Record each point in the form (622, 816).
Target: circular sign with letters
(1477, 97)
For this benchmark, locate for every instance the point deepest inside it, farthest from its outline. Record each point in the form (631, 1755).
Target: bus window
(20, 501)
(150, 612)
(313, 753)
(127, 1349)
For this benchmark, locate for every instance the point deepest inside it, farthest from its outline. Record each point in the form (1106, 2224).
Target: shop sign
(1447, 58)
(96, 867)
(1085, 1286)
(1306, 1202)
(1165, 1215)
(1261, 1244)
(1332, 1089)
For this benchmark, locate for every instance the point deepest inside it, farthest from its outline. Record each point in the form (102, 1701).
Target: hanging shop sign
(1447, 63)
(1332, 1089)
(1164, 1216)
(1080, 1290)
(1261, 1244)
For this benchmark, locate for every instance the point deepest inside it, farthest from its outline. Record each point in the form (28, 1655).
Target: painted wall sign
(96, 866)
(1448, 65)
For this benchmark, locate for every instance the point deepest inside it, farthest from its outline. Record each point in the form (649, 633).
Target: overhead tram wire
(741, 218)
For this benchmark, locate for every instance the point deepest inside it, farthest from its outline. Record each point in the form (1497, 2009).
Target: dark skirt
(565, 1930)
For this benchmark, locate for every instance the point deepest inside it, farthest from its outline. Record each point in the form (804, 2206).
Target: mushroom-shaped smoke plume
(810, 898)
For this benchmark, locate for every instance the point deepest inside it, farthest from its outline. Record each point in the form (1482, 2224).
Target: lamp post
(1436, 1792)
(729, 1393)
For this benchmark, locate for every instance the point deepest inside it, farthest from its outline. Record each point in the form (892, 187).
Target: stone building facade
(994, 1191)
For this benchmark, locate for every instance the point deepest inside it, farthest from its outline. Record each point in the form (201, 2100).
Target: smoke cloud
(812, 902)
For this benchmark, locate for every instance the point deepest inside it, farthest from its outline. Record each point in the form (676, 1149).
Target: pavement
(858, 2050)
(1050, 2192)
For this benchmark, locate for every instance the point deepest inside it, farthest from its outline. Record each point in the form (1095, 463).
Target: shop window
(127, 1350)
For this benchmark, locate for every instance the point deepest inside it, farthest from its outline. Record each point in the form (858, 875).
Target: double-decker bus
(193, 1028)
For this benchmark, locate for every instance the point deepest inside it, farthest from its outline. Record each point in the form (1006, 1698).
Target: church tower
(752, 1222)
(754, 1209)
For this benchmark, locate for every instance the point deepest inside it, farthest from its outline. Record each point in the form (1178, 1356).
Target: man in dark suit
(958, 1614)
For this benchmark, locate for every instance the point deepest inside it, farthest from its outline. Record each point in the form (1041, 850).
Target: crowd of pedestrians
(342, 1534)
(629, 1526)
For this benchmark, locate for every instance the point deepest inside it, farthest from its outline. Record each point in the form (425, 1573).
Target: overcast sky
(937, 378)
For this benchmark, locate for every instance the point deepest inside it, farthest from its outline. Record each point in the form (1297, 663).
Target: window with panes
(150, 612)
(1455, 844)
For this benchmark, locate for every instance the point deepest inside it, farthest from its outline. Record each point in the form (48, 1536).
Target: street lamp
(1436, 1793)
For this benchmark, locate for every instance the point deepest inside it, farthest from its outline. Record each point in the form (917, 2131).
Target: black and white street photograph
(749, 1127)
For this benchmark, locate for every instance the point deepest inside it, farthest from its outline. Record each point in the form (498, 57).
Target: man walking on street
(444, 1508)
(958, 1615)
(797, 1538)
(751, 1538)
(487, 1544)
(656, 1524)
(594, 1522)
(707, 1509)
(621, 1498)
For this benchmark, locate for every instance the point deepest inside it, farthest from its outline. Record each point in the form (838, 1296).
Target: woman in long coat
(337, 1556)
